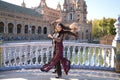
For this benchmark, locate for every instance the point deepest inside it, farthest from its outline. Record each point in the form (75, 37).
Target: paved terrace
(74, 74)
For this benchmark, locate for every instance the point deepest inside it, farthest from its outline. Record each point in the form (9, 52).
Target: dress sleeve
(59, 39)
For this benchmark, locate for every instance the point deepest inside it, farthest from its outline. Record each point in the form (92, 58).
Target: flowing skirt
(58, 57)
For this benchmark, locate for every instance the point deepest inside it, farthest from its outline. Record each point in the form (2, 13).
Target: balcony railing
(33, 55)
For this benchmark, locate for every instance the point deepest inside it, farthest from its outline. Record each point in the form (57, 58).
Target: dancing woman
(58, 50)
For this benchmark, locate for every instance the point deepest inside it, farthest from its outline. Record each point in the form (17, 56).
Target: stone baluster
(73, 55)
(89, 56)
(99, 57)
(36, 55)
(31, 55)
(14, 54)
(52, 51)
(47, 54)
(78, 56)
(84, 55)
(112, 58)
(42, 55)
(109, 57)
(94, 56)
(64, 52)
(104, 57)
(4, 56)
(26, 56)
(68, 52)
(20, 57)
(9, 57)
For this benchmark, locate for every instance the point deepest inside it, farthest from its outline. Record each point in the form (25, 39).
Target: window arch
(86, 34)
(71, 8)
(1, 27)
(10, 28)
(45, 30)
(33, 29)
(26, 29)
(86, 31)
(19, 28)
(39, 30)
(71, 16)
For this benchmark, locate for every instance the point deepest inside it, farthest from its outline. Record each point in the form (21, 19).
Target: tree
(102, 27)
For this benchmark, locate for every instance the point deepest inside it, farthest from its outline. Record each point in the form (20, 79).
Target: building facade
(22, 23)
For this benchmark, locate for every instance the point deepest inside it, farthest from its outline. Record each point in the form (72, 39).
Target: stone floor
(74, 74)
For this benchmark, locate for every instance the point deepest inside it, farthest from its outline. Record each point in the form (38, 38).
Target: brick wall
(108, 39)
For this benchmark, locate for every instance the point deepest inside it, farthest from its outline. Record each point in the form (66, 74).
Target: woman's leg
(55, 65)
(56, 58)
(58, 69)
(51, 64)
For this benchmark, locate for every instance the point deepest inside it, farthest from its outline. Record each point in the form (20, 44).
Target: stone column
(6, 27)
(29, 31)
(15, 28)
(23, 28)
(116, 44)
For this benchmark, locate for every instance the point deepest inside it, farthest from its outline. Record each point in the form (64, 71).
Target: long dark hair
(63, 26)
(54, 24)
(64, 29)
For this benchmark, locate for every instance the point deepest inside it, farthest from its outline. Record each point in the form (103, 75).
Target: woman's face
(58, 28)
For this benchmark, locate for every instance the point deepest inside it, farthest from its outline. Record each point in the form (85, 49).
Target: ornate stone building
(21, 23)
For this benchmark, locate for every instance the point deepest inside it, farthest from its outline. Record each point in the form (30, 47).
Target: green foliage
(102, 27)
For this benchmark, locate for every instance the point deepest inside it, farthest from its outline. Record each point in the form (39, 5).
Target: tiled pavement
(74, 74)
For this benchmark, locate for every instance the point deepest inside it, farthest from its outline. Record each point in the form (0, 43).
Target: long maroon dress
(58, 47)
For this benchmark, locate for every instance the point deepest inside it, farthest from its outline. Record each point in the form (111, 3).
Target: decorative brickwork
(108, 39)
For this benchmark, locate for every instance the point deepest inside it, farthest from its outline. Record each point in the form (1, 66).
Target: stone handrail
(33, 55)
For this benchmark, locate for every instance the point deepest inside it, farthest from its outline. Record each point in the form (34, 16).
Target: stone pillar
(23, 28)
(116, 44)
(6, 27)
(15, 28)
(29, 31)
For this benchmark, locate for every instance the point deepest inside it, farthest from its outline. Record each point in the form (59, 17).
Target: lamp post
(116, 44)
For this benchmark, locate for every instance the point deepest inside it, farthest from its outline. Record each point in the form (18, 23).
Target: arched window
(39, 30)
(10, 28)
(86, 34)
(71, 8)
(19, 28)
(26, 29)
(86, 31)
(71, 16)
(45, 30)
(33, 29)
(1, 27)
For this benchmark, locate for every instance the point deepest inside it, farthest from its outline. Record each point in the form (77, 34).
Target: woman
(58, 51)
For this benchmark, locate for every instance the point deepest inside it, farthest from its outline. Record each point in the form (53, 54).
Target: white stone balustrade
(81, 55)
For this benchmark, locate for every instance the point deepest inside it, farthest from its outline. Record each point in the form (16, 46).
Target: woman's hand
(50, 36)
